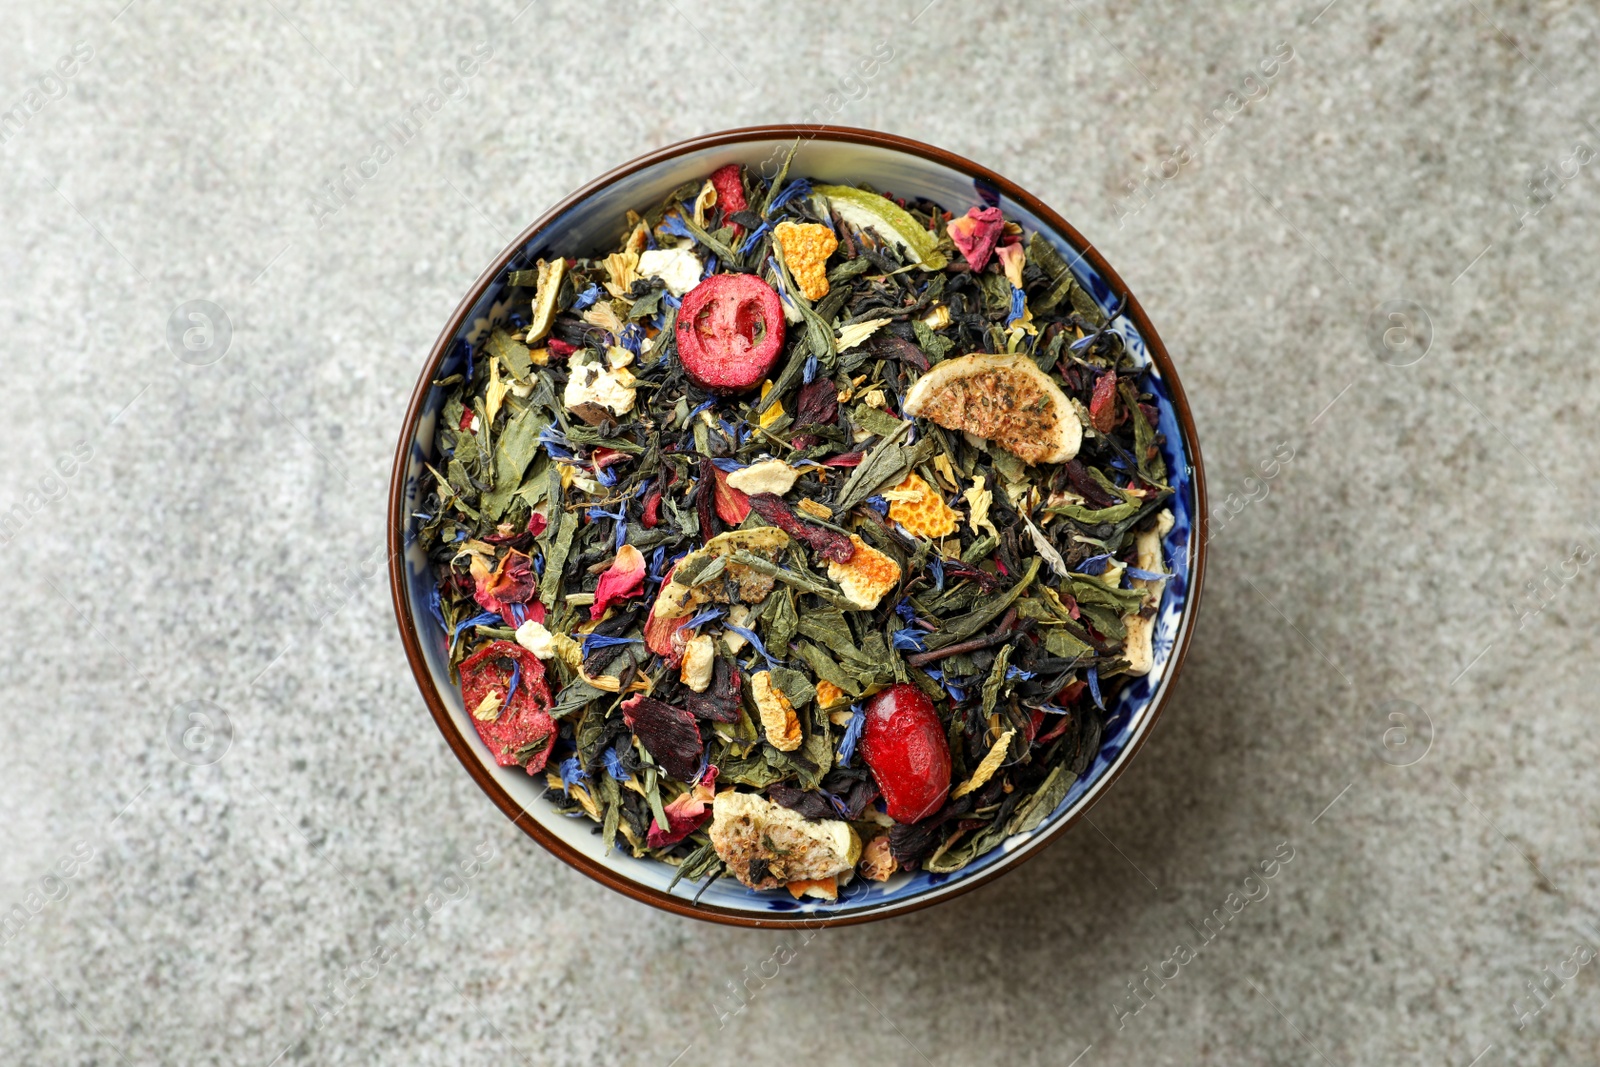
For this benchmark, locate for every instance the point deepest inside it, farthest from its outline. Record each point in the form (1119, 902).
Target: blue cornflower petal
(711, 267)
(909, 640)
(520, 613)
(605, 476)
(674, 225)
(511, 690)
(703, 618)
(1094, 564)
(594, 641)
(705, 763)
(755, 642)
(755, 236)
(798, 187)
(809, 374)
(1015, 673)
(1019, 304)
(476, 620)
(728, 466)
(1051, 709)
(936, 565)
(878, 504)
(622, 535)
(1094, 688)
(839, 806)
(701, 408)
(903, 609)
(572, 773)
(435, 610)
(852, 735)
(671, 301)
(1149, 576)
(1083, 342)
(587, 298)
(657, 558)
(633, 338)
(614, 765)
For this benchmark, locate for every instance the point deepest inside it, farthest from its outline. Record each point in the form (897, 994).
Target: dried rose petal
(559, 349)
(686, 814)
(669, 734)
(829, 544)
(732, 505)
(537, 524)
(1103, 404)
(623, 579)
(976, 234)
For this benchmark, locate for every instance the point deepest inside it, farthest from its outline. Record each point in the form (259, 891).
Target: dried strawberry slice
(521, 732)
(730, 332)
(669, 734)
(904, 745)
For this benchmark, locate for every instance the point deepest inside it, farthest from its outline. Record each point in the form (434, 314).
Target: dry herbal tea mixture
(805, 536)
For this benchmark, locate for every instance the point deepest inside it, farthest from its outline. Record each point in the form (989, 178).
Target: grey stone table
(1367, 233)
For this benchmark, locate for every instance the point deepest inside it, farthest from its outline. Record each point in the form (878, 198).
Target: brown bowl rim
(396, 532)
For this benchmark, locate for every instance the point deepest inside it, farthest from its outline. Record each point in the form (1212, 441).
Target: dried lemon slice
(1006, 399)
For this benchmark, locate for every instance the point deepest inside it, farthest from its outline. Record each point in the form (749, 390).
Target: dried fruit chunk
(678, 598)
(777, 714)
(1006, 399)
(669, 734)
(765, 845)
(768, 476)
(699, 656)
(869, 211)
(806, 248)
(730, 332)
(548, 287)
(515, 724)
(877, 862)
(903, 743)
(918, 507)
(866, 576)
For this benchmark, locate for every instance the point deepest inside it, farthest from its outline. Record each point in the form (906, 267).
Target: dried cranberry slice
(730, 332)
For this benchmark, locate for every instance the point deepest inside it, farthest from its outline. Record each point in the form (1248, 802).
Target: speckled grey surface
(219, 543)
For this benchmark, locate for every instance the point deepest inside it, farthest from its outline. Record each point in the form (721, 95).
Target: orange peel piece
(806, 248)
(918, 507)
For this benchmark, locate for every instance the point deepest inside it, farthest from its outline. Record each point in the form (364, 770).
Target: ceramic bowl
(591, 220)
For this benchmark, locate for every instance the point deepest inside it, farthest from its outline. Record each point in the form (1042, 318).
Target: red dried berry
(1103, 404)
(669, 734)
(904, 745)
(522, 733)
(730, 332)
(730, 193)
